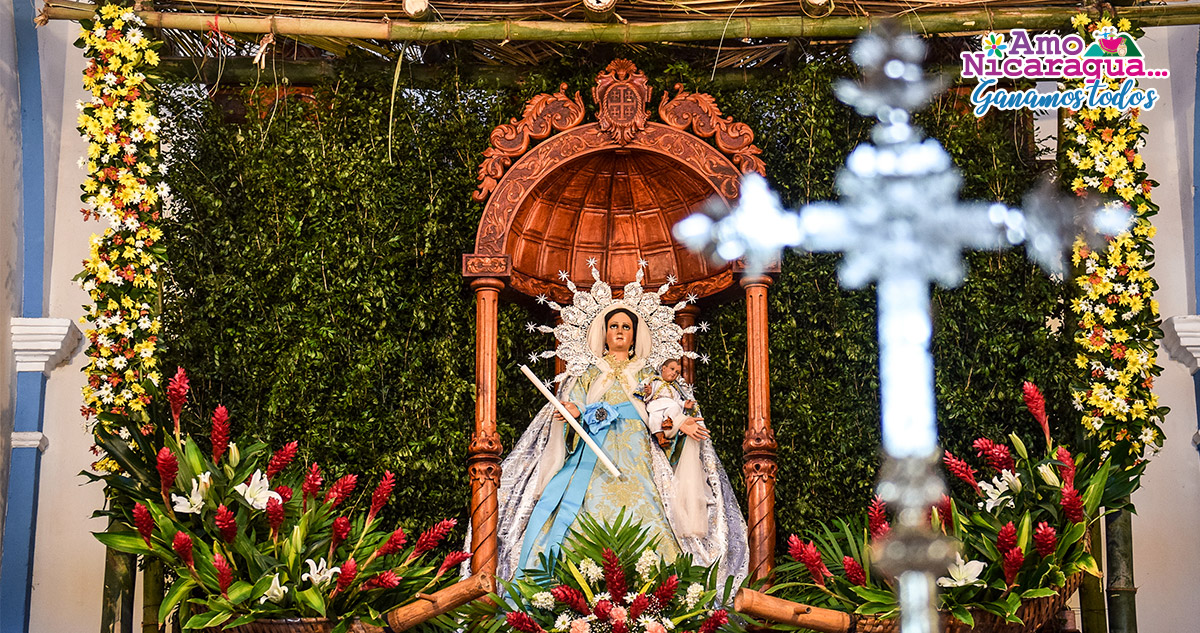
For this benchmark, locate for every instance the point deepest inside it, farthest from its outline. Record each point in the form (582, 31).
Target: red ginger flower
(312, 483)
(1037, 407)
(620, 627)
(220, 433)
(1072, 504)
(1045, 540)
(602, 609)
(383, 580)
(281, 459)
(177, 390)
(1067, 470)
(811, 557)
(997, 455)
(168, 468)
(718, 619)
(1007, 538)
(877, 521)
(452, 560)
(182, 544)
(614, 575)
(962, 470)
(571, 597)
(227, 523)
(1013, 560)
(521, 621)
(284, 492)
(224, 573)
(430, 538)
(143, 521)
(666, 591)
(349, 570)
(638, 606)
(794, 546)
(275, 515)
(341, 490)
(382, 493)
(854, 571)
(341, 530)
(394, 544)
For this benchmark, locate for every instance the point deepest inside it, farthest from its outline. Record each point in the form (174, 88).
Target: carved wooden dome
(610, 190)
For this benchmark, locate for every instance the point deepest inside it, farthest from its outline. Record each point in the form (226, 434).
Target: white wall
(10, 243)
(68, 562)
(1166, 550)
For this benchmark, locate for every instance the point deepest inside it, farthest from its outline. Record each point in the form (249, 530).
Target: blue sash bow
(564, 495)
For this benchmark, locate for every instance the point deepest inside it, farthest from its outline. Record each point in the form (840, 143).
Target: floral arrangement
(249, 536)
(124, 189)
(1021, 533)
(608, 578)
(1117, 317)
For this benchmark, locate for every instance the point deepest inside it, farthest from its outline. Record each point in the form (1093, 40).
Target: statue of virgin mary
(550, 478)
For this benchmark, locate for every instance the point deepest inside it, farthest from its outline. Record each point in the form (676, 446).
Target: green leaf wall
(314, 288)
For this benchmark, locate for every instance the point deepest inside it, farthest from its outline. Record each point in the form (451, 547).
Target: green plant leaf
(962, 615)
(312, 599)
(176, 593)
(1041, 592)
(1095, 489)
(128, 542)
(1088, 564)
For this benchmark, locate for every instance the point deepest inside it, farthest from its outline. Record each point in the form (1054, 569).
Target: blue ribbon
(564, 495)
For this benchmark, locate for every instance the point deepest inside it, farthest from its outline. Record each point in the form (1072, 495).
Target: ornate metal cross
(900, 223)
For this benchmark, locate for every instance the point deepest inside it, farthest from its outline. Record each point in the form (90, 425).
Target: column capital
(487, 283)
(1181, 339)
(41, 344)
(755, 281)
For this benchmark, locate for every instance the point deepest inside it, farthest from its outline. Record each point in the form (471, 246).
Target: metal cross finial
(901, 224)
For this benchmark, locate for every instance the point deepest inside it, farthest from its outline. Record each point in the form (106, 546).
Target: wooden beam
(965, 21)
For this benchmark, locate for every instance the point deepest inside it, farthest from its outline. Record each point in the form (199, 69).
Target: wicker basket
(1034, 613)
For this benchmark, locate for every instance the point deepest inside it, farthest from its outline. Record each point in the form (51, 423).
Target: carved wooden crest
(621, 95)
(560, 192)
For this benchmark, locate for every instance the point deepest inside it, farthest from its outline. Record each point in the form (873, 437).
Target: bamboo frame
(969, 21)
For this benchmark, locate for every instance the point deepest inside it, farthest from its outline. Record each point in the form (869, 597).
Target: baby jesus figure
(671, 407)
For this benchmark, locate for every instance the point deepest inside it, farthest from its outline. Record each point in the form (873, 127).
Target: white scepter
(612, 468)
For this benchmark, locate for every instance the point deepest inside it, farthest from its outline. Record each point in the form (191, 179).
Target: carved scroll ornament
(699, 112)
(544, 114)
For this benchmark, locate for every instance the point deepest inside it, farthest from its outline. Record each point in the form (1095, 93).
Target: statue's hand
(690, 404)
(570, 407)
(692, 428)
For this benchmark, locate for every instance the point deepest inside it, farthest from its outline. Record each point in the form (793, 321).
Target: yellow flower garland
(123, 189)
(1117, 316)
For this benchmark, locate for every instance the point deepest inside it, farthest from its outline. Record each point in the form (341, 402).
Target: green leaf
(312, 599)
(874, 595)
(1041, 592)
(962, 615)
(1088, 564)
(875, 608)
(178, 591)
(1019, 446)
(208, 619)
(128, 542)
(1095, 490)
(239, 591)
(1025, 532)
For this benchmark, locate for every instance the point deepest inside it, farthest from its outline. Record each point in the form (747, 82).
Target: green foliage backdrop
(314, 288)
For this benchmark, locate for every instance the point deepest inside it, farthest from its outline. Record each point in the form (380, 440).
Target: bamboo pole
(1122, 594)
(760, 605)
(120, 574)
(427, 607)
(1092, 610)
(966, 21)
(152, 595)
(599, 10)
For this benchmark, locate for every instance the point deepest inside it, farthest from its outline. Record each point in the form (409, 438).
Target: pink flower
(618, 614)
(281, 459)
(580, 625)
(220, 433)
(655, 627)
(1037, 407)
(177, 390)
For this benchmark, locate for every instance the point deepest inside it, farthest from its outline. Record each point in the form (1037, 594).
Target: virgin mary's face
(619, 333)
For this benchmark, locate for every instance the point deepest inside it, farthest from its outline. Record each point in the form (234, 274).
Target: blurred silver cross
(900, 223)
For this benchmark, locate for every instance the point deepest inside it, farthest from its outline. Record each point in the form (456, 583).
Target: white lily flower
(205, 482)
(319, 573)
(1011, 479)
(258, 492)
(962, 574)
(997, 494)
(276, 591)
(191, 504)
(1049, 476)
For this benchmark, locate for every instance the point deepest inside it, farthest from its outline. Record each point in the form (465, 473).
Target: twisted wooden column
(759, 445)
(483, 455)
(686, 318)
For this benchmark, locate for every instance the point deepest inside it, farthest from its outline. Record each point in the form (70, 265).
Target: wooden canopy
(560, 194)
